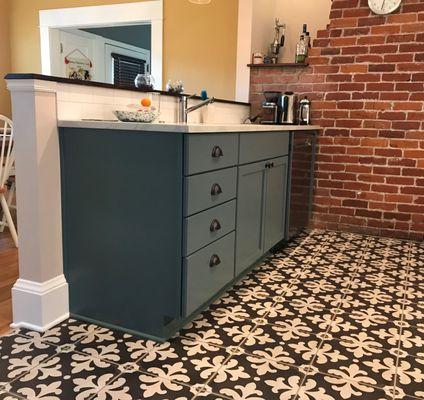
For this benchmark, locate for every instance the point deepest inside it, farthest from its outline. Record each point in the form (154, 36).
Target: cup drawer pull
(215, 261)
(215, 226)
(217, 152)
(216, 189)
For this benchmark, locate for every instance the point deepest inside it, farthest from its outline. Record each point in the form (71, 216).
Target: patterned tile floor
(333, 316)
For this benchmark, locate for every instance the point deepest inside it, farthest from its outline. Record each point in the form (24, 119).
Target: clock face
(384, 6)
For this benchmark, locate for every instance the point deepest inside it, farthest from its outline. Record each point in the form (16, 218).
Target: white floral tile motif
(114, 347)
(221, 326)
(357, 358)
(63, 376)
(69, 331)
(20, 354)
(250, 377)
(139, 385)
(412, 340)
(410, 376)
(185, 361)
(324, 387)
(330, 316)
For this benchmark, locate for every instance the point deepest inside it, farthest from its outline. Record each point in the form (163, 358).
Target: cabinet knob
(215, 260)
(269, 165)
(215, 226)
(217, 152)
(216, 189)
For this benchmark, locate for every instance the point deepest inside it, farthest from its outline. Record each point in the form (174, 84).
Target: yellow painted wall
(200, 42)
(4, 56)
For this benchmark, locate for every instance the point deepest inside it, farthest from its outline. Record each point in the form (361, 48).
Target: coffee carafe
(304, 111)
(287, 108)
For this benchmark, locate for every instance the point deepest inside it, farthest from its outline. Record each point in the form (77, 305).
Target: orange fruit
(146, 102)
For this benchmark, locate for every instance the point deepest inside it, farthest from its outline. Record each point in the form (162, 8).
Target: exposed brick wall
(366, 80)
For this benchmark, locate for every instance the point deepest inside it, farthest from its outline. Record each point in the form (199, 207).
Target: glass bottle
(301, 50)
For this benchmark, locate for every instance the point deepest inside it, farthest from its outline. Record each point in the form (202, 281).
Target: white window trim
(97, 16)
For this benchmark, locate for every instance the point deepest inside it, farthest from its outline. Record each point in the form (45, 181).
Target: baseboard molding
(40, 306)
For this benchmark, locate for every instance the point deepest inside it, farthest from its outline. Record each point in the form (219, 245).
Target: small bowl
(145, 116)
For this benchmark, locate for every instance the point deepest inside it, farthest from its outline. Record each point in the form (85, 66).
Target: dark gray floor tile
(65, 376)
(249, 377)
(357, 358)
(139, 385)
(345, 385)
(20, 354)
(185, 361)
(410, 376)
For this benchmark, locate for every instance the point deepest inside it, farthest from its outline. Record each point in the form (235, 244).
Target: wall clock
(383, 7)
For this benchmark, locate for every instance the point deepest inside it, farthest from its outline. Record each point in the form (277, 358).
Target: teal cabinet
(275, 202)
(261, 209)
(250, 214)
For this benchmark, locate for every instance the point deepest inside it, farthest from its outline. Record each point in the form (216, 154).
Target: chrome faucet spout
(200, 105)
(184, 110)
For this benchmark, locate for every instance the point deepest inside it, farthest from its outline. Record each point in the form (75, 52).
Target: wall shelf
(279, 65)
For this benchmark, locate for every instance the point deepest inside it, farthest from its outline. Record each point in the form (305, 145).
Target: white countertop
(184, 128)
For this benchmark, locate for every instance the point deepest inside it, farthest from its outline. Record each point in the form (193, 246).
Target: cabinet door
(275, 203)
(250, 210)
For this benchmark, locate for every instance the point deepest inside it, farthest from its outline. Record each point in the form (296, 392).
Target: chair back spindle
(6, 152)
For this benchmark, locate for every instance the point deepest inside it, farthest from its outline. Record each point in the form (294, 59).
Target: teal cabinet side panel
(250, 206)
(276, 202)
(122, 226)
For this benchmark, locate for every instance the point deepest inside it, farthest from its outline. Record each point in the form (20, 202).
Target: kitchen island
(159, 219)
(140, 226)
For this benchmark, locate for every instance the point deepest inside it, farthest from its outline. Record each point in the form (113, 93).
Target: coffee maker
(281, 107)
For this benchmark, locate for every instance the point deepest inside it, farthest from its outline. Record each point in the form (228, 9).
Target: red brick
(392, 115)
(413, 172)
(405, 38)
(368, 213)
(413, 8)
(385, 49)
(367, 77)
(344, 22)
(401, 18)
(382, 67)
(388, 152)
(386, 171)
(374, 142)
(404, 144)
(385, 189)
(419, 27)
(385, 29)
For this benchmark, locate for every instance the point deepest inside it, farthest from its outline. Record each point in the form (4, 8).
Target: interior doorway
(89, 40)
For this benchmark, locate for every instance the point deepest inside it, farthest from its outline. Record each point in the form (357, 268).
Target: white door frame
(244, 49)
(97, 16)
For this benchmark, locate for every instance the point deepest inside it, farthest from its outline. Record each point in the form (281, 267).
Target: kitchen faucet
(184, 109)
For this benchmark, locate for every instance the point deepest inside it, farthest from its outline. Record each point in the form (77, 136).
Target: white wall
(264, 13)
(294, 13)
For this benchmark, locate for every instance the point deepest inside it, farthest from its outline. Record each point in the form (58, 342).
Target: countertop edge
(49, 78)
(186, 128)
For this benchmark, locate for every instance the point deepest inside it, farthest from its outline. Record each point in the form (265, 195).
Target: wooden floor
(8, 276)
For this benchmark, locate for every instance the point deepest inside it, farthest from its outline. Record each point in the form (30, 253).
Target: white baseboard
(39, 306)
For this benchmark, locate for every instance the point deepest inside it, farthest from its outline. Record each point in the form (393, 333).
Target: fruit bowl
(146, 116)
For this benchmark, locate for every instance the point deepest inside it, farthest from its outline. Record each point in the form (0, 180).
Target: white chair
(7, 162)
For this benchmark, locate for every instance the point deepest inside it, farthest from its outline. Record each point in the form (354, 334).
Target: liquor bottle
(301, 50)
(307, 36)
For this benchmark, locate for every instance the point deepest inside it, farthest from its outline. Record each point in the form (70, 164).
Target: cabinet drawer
(207, 272)
(209, 190)
(261, 146)
(207, 152)
(202, 229)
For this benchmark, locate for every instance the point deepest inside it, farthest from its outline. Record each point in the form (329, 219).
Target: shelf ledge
(278, 65)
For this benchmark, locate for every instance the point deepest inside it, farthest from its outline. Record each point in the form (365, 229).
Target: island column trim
(40, 296)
